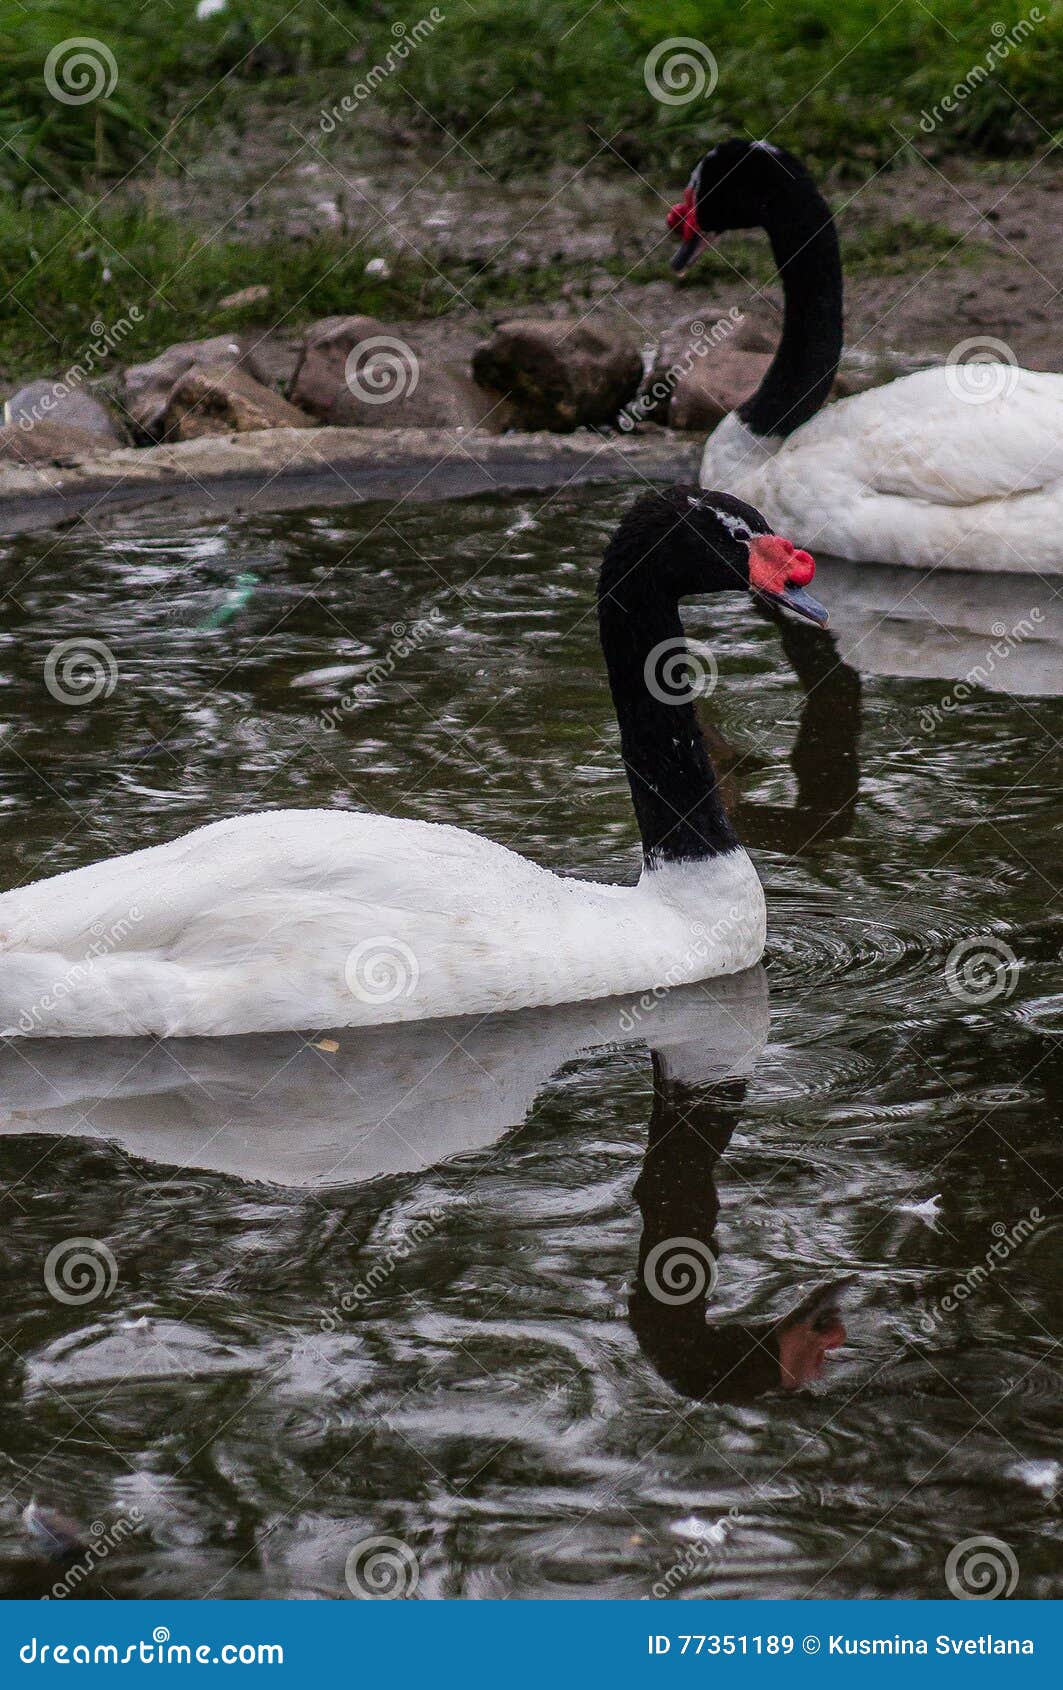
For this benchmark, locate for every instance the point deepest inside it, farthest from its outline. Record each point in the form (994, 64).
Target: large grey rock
(49, 443)
(61, 404)
(561, 375)
(146, 388)
(222, 399)
(355, 373)
(318, 385)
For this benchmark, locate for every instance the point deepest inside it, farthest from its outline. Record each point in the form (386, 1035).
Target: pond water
(383, 1290)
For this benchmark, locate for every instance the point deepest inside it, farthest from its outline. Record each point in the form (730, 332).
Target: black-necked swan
(960, 466)
(292, 919)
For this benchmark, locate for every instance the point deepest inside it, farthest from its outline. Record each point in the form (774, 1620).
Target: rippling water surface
(385, 1289)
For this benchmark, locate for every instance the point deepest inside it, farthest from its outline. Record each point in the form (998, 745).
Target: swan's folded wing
(949, 437)
(286, 919)
(181, 896)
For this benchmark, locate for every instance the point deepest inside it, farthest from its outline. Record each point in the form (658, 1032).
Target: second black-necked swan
(329, 918)
(959, 466)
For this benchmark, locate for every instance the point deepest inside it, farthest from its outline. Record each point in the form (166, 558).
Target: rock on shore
(560, 375)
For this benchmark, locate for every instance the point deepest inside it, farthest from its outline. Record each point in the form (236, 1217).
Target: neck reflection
(690, 1129)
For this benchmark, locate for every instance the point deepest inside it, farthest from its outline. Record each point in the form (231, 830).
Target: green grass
(525, 81)
(841, 83)
(170, 70)
(521, 85)
(59, 275)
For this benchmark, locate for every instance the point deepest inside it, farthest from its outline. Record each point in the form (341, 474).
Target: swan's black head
(686, 543)
(738, 185)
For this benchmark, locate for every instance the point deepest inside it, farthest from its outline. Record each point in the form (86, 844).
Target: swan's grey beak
(801, 603)
(690, 249)
(687, 253)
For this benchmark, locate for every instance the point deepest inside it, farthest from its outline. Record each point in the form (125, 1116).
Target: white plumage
(910, 473)
(956, 467)
(324, 918)
(296, 919)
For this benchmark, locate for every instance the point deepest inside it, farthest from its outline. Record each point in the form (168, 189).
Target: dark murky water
(384, 1290)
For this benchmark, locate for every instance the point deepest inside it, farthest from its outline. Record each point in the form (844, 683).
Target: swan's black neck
(673, 784)
(805, 244)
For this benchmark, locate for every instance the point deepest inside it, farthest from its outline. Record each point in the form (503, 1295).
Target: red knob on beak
(778, 571)
(684, 217)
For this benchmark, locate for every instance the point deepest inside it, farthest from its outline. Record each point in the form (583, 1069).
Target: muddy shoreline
(282, 469)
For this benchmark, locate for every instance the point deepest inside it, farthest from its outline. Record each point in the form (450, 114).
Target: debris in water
(1041, 1476)
(927, 1211)
(233, 602)
(57, 1534)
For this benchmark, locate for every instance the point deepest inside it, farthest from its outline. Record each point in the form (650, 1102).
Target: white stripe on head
(736, 526)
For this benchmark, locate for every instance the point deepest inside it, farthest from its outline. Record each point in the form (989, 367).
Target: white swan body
(323, 918)
(913, 473)
(295, 919)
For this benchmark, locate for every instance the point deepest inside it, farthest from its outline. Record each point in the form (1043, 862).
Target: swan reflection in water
(825, 753)
(310, 1114)
(692, 1123)
(690, 1129)
(394, 1101)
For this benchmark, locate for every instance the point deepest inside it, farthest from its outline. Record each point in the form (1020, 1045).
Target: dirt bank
(602, 226)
